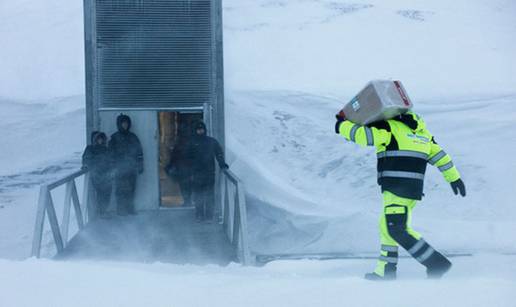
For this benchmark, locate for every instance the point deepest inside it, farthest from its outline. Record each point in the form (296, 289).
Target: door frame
(206, 111)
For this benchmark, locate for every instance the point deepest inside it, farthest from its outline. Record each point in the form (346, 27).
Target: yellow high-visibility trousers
(393, 205)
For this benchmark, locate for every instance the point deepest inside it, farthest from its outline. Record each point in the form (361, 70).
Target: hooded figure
(127, 155)
(202, 151)
(97, 159)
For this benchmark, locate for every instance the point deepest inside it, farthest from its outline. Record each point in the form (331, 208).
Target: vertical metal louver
(152, 53)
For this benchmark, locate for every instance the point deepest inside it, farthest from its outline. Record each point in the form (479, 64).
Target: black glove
(340, 118)
(458, 186)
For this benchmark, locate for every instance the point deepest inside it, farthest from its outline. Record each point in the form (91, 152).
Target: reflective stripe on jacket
(404, 147)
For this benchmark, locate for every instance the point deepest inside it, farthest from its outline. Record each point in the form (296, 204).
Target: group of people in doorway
(116, 164)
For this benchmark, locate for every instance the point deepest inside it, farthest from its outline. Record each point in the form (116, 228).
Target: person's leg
(98, 197)
(197, 200)
(435, 262)
(120, 193)
(387, 262)
(398, 215)
(124, 191)
(103, 192)
(396, 211)
(185, 187)
(203, 201)
(209, 201)
(131, 188)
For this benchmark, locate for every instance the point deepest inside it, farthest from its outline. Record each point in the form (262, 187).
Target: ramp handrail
(234, 212)
(46, 208)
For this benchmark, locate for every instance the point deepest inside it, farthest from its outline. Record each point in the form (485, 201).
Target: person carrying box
(404, 146)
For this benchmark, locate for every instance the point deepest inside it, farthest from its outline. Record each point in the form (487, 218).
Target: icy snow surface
(282, 283)
(290, 65)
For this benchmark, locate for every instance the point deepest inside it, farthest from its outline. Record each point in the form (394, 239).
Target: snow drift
(290, 65)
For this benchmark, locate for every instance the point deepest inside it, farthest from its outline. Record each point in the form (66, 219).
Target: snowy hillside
(290, 65)
(335, 181)
(42, 53)
(438, 48)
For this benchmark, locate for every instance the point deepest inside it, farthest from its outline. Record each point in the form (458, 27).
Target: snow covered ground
(290, 65)
(282, 283)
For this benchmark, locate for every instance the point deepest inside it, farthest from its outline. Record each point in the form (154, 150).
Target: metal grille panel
(153, 52)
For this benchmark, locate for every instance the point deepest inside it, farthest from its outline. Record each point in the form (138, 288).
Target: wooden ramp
(171, 236)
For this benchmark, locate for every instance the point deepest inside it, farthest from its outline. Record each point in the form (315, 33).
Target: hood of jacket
(123, 118)
(95, 135)
(199, 125)
(411, 120)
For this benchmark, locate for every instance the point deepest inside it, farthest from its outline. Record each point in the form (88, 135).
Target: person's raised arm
(219, 155)
(362, 135)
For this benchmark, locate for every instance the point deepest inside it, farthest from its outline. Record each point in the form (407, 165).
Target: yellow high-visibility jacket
(404, 147)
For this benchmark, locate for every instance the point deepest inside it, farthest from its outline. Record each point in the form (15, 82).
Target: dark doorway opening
(175, 131)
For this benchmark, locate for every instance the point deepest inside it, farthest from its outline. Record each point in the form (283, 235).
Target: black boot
(437, 265)
(375, 277)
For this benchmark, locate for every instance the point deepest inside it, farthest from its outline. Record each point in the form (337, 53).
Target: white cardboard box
(378, 100)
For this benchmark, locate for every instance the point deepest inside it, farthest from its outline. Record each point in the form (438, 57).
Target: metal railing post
(54, 224)
(40, 220)
(231, 211)
(235, 231)
(86, 198)
(77, 206)
(235, 216)
(226, 206)
(222, 195)
(247, 260)
(60, 232)
(65, 222)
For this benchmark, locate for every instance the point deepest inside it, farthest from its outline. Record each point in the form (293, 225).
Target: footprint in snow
(415, 15)
(276, 3)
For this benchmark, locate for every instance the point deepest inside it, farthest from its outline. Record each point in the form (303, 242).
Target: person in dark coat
(202, 151)
(97, 160)
(127, 155)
